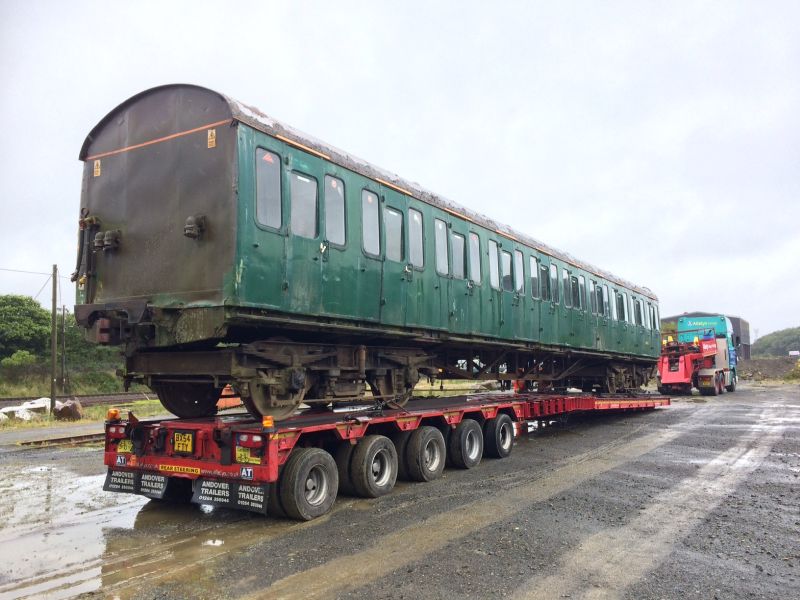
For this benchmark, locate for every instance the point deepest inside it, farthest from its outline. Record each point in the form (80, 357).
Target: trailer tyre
(466, 444)
(732, 386)
(274, 506)
(343, 456)
(373, 467)
(400, 440)
(498, 436)
(425, 454)
(309, 483)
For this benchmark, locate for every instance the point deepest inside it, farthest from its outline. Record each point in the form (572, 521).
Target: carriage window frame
(474, 252)
(416, 239)
(544, 282)
(582, 291)
(366, 193)
(462, 254)
(506, 279)
(259, 159)
(494, 265)
(331, 209)
(440, 243)
(297, 225)
(555, 296)
(400, 238)
(593, 296)
(606, 299)
(519, 272)
(533, 265)
(566, 289)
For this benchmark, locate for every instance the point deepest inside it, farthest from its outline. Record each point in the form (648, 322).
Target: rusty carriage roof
(255, 118)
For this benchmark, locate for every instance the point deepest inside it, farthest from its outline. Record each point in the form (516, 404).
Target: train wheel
(498, 436)
(343, 456)
(277, 400)
(373, 467)
(188, 400)
(466, 444)
(425, 454)
(309, 483)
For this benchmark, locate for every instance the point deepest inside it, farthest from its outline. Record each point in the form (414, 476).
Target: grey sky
(659, 141)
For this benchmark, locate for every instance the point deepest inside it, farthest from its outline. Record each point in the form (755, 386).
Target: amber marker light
(112, 414)
(267, 421)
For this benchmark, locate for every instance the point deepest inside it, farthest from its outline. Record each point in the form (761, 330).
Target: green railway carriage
(218, 246)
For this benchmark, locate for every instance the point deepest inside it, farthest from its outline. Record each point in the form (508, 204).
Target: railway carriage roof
(256, 119)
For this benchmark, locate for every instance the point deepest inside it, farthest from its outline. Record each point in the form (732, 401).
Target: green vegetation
(794, 374)
(25, 353)
(778, 343)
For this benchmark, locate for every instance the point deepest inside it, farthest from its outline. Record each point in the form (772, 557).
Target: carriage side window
(646, 314)
(474, 257)
(554, 283)
(519, 272)
(637, 311)
(632, 314)
(508, 283)
(458, 247)
(415, 250)
(599, 293)
(545, 282)
(393, 225)
(620, 316)
(657, 321)
(534, 266)
(442, 266)
(268, 188)
(606, 308)
(370, 223)
(334, 211)
(593, 289)
(582, 291)
(626, 316)
(304, 205)
(566, 288)
(494, 257)
(576, 294)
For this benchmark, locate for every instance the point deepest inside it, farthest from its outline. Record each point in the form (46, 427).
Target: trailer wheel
(274, 506)
(425, 454)
(498, 436)
(343, 456)
(732, 386)
(466, 444)
(374, 466)
(309, 483)
(400, 440)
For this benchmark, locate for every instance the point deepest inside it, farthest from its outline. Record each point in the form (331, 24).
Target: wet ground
(701, 499)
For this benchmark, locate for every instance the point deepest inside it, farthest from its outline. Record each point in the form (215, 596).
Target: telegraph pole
(63, 349)
(53, 341)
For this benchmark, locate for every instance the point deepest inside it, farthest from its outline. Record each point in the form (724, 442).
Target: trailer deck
(296, 467)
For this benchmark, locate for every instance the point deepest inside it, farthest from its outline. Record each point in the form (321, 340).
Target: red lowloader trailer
(297, 467)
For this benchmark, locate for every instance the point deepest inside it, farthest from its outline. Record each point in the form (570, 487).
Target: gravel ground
(697, 500)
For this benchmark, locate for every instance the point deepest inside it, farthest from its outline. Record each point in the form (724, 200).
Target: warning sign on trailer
(231, 494)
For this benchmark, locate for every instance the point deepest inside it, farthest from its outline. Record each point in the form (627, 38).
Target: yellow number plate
(243, 456)
(125, 446)
(183, 442)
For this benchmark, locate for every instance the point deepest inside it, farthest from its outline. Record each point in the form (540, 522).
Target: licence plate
(183, 442)
(125, 446)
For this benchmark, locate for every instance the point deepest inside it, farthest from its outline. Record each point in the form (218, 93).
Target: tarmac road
(701, 499)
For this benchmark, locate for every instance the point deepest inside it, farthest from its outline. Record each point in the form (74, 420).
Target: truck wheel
(715, 390)
(274, 506)
(309, 483)
(466, 444)
(343, 456)
(400, 440)
(732, 386)
(374, 466)
(425, 454)
(498, 436)
(721, 381)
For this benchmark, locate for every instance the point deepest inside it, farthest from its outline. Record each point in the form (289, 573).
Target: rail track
(86, 399)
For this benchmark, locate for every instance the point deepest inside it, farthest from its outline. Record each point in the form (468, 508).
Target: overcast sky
(659, 141)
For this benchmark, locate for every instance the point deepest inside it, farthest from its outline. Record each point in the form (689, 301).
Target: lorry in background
(702, 354)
